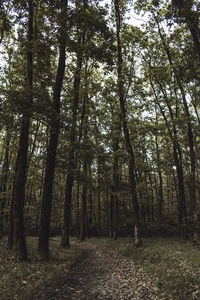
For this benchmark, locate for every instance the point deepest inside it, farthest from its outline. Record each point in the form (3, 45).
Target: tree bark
(21, 161)
(44, 231)
(73, 134)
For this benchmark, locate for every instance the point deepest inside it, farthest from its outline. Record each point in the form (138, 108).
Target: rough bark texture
(44, 231)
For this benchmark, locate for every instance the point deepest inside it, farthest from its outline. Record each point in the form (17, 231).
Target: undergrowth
(174, 264)
(33, 279)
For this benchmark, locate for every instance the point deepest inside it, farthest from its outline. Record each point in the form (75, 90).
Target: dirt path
(102, 276)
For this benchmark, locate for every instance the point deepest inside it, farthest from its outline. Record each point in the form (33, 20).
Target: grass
(32, 279)
(175, 264)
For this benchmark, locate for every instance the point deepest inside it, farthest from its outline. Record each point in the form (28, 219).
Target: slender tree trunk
(188, 118)
(129, 148)
(78, 209)
(99, 195)
(116, 190)
(182, 214)
(114, 200)
(34, 144)
(90, 199)
(152, 200)
(147, 198)
(72, 161)
(3, 185)
(44, 231)
(11, 225)
(160, 203)
(84, 206)
(111, 213)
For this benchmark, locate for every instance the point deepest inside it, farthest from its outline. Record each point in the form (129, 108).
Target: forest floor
(163, 269)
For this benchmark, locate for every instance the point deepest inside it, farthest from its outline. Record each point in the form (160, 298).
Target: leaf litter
(106, 276)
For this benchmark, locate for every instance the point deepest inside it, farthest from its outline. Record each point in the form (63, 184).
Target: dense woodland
(99, 120)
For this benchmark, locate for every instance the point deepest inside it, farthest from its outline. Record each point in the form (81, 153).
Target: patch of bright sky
(131, 18)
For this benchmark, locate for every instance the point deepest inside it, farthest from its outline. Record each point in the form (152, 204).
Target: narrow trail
(106, 277)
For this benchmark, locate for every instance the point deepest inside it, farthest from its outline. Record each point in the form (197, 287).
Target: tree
(73, 135)
(21, 161)
(3, 184)
(129, 148)
(191, 18)
(43, 246)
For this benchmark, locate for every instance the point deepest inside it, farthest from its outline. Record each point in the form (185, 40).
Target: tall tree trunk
(182, 214)
(21, 161)
(84, 228)
(129, 148)
(116, 190)
(188, 120)
(114, 201)
(160, 203)
(44, 231)
(73, 134)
